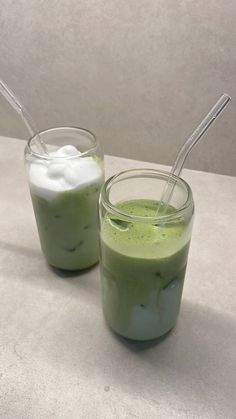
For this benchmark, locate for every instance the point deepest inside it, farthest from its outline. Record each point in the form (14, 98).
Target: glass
(143, 255)
(65, 187)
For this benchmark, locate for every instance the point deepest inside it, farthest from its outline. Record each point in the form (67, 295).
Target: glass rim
(143, 172)
(69, 128)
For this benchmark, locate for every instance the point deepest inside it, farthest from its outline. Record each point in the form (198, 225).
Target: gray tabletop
(58, 359)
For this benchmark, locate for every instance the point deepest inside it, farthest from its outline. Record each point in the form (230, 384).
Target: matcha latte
(143, 267)
(64, 189)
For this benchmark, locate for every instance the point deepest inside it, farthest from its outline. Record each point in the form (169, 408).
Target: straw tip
(226, 96)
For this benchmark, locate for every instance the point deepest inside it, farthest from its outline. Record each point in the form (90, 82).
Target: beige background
(139, 73)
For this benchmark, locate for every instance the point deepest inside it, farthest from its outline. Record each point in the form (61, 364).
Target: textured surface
(140, 74)
(57, 357)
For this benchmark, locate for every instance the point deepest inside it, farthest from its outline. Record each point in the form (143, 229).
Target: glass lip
(132, 173)
(28, 146)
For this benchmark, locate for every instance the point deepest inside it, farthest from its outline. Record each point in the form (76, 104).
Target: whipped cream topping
(65, 170)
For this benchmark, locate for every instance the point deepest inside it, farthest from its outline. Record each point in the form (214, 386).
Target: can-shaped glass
(65, 184)
(144, 250)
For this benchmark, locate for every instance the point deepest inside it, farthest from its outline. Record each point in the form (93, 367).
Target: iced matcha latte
(143, 257)
(64, 188)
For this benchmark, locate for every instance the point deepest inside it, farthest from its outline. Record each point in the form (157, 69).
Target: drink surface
(142, 268)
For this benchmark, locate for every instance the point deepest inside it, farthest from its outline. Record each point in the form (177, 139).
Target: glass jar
(144, 252)
(65, 186)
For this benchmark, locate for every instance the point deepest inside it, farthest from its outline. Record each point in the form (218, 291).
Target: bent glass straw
(187, 147)
(26, 117)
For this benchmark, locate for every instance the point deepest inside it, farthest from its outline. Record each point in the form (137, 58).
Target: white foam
(59, 174)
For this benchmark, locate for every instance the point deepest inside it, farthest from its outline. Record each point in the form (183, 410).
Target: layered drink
(64, 189)
(143, 264)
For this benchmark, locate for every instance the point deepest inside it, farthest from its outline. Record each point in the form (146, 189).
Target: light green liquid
(68, 227)
(142, 269)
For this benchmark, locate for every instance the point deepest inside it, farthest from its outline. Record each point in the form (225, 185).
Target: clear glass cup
(64, 188)
(143, 255)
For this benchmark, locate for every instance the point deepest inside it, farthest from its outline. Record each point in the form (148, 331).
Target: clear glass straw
(188, 146)
(26, 117)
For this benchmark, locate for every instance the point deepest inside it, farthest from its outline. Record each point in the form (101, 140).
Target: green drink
(143, 264)
(64, 186)
(68, 228)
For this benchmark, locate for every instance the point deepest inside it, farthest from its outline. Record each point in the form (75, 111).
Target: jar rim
(143, 172)
(58, 129)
